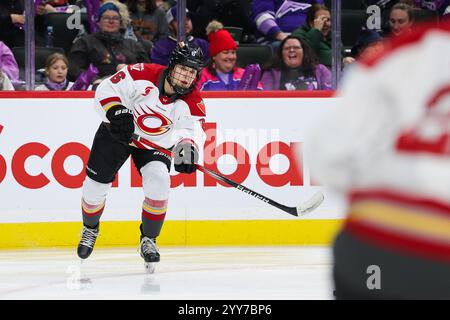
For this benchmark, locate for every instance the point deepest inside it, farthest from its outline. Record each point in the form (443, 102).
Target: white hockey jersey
(388, 145)
(156, 117)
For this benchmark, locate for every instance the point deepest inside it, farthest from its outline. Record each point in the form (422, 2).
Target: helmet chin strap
(168, 87)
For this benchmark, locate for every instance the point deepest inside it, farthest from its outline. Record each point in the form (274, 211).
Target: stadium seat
(41, 54)
(253, 53)
(63, 36)
(351, 23)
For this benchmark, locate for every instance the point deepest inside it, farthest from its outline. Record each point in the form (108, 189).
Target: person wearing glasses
(296, 67)
(107, 49)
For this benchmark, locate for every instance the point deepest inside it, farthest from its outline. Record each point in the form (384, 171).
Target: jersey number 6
(117, 77)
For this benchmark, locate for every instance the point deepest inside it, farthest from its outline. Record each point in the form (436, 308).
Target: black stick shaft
(248, 191)
(240, 187)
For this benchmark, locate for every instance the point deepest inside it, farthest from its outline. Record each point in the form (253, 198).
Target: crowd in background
(117, 33)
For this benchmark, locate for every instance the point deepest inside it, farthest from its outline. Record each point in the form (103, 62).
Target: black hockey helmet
(187, 55)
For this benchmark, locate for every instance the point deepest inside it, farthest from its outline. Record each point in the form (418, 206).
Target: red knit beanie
(219, 38)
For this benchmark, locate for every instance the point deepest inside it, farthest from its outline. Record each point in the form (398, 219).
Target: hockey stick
(300, 210)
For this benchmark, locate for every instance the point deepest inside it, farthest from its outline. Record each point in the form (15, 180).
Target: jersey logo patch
(201, 106)
(147, 91)
(164, 99)
(150, 121)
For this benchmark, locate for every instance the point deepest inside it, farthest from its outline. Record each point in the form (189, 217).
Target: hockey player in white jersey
(387, 148)
(160, 105)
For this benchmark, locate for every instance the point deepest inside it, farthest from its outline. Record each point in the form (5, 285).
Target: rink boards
(257, 139)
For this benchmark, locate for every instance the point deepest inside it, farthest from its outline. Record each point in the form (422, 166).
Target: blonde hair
(405, 7)
(123, 11)
(213, 26)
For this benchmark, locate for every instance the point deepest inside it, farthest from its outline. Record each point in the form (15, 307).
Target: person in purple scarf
(163, 47)
(56, 68)
(296, 68)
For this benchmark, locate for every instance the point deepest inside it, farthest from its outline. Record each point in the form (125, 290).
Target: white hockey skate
(150, 253)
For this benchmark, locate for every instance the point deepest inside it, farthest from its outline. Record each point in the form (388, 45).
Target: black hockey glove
(185, 157)
(122, 125)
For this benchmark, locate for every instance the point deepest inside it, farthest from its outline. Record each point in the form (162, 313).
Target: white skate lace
(148, 246)
(88, 237)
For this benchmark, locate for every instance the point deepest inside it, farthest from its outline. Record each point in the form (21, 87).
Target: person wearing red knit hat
(221, 72)
(219, 39)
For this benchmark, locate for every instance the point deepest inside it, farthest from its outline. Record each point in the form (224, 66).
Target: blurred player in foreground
(162, 106)
(387, 149)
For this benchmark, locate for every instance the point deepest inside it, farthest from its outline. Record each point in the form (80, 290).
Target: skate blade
(149, 267)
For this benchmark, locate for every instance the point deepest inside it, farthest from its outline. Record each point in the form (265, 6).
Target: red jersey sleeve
(195, 104)
(146, 71)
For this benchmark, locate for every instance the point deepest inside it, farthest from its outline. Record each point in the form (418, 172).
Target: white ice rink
(192, 273)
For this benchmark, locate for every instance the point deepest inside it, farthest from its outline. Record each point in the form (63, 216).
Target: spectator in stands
(400, 19)
(368, 45)
(162, 48)
(5, 83)
(221, 73)
(438, 6)
(126, 26)
(12, 20)
(91, 7)
(148, 21)
(317, 32)
(8, 63)
(107, 49)
(296, 67)
(276, 19)
(56, 68)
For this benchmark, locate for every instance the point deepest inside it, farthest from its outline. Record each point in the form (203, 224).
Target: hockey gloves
(122, 125)
(185, 157)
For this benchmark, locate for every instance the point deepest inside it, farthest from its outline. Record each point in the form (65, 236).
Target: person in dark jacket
(162, 48)
(12, 20)
(106, 49)
(149, 22)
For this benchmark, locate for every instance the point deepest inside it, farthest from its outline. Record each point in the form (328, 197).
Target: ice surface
(191, 273)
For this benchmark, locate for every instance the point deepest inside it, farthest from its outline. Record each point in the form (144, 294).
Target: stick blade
(315, 201)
